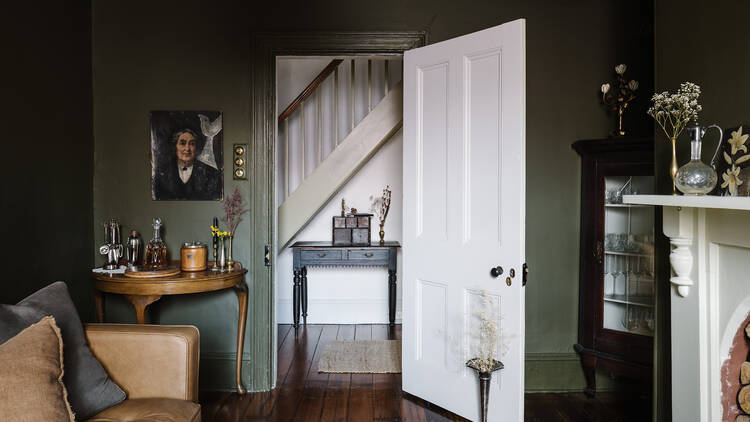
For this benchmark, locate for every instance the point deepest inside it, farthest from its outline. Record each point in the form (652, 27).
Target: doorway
(267, 47)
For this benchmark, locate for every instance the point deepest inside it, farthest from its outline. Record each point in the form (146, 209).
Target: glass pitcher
(696, 177)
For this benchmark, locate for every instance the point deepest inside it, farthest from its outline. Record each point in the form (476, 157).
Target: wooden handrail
(307, 92)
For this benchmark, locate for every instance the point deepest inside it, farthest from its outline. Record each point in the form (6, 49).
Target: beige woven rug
(361, 357)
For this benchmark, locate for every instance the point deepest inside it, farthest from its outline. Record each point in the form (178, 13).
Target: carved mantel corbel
(678, 227)
(681, 260)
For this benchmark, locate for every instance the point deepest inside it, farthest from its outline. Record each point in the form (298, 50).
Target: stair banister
(307, 92)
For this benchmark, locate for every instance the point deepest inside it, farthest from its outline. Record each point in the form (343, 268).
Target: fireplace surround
(710, 300)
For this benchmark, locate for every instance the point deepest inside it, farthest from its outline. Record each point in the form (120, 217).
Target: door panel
(433, 107)
(464, 197)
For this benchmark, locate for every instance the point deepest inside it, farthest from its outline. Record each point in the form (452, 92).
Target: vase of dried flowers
(230, 261)
(673, 112)
(485, 378)
(380, 208)
(222, 256)
(486, 340)
(233, 210)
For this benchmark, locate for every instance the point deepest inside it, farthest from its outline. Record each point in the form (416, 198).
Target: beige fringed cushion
(31, 370)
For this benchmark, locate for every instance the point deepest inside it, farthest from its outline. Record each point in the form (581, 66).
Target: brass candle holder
(617, 99)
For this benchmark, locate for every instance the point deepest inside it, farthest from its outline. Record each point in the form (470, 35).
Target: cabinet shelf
(643, 255)
(646, 301)
(626, 206)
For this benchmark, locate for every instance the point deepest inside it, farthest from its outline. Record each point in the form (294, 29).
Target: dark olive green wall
(706, 43)
(47, 158)
(196, 55)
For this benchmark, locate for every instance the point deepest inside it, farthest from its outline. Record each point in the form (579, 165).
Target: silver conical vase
(485, 378)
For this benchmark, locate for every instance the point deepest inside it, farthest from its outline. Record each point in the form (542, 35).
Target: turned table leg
(296, 297)
(304, 295)
(99, 303)
(140, 303)
(392, 297)
(241, 291)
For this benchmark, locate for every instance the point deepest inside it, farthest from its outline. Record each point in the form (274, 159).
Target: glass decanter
(156, 250)
(695, 177)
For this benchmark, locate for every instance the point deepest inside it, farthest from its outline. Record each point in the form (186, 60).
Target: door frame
(266, 46)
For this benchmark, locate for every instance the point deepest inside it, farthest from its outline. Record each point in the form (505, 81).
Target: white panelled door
(464, 213)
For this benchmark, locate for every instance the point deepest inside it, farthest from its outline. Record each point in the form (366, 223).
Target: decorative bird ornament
(209, 129)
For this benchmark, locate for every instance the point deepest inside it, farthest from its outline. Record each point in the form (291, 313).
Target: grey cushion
(90, 390)
(14, 319)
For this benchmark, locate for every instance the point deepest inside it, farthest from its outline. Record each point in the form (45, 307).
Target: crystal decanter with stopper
(156, 251)
(695, 177)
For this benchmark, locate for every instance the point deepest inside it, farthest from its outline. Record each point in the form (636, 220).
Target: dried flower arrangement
(233, 210)
(487, 336)
(382, 205)
(673, 111)
(732, 175)
(618, 99)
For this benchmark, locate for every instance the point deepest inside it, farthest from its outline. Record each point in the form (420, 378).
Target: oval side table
(141, 292)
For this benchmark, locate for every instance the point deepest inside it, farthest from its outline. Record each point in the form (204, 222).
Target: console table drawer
(321, 255)
(368, 254)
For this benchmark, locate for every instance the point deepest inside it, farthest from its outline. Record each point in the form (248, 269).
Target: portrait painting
(186, 156)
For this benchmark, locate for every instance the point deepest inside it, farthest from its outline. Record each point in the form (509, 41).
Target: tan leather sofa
(156, 365)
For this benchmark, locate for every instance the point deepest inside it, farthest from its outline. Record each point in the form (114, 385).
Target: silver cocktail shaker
(135, 246)
(112, 248)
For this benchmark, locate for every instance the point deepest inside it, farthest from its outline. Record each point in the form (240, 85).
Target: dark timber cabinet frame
(617, 352)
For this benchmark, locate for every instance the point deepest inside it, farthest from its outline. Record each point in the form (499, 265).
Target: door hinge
(267, 256)
(525, 274)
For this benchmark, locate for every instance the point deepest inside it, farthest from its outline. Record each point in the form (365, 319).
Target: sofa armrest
(149, 361)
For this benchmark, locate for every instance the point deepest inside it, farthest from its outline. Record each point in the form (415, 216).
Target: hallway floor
(302, 394)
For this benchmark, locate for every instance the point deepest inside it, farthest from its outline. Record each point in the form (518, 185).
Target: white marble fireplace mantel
(710, 262)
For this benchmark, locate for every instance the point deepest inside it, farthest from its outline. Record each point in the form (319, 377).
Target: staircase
(329, 131)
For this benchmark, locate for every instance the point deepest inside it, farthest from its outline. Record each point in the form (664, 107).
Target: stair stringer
(342, 164)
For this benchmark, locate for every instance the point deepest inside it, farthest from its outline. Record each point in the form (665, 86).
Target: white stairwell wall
(337, 295)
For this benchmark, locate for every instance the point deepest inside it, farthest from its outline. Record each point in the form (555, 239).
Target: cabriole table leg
(140, 302)
(241, 290)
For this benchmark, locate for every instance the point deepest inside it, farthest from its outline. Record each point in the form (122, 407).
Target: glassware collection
(628, 270)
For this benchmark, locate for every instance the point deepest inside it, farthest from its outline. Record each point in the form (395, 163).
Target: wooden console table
(308, 254)
(141, 292)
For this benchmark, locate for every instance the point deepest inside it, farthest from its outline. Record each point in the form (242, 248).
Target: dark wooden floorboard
(313, 394)
(211, 401)
(360, 389)
(304, 394)
(337, 390)
(385, 398)
(290, 391)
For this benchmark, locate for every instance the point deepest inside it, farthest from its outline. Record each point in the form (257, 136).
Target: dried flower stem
(233, 210)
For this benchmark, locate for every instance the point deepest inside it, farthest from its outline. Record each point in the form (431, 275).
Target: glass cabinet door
(628, 270)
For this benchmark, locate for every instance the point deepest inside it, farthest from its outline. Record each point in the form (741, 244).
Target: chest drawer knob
(368, 254)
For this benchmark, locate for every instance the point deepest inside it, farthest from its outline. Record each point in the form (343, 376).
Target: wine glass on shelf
(608, 282)
(650, 319)
(616, 273)
(633, 316)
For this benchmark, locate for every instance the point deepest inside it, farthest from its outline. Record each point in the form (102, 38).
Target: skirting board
(560, 372)
(545, 372)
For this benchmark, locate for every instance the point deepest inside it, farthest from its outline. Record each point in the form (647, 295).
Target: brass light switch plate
(239, 162)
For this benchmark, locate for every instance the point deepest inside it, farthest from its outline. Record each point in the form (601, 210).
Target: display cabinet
(616, 290)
